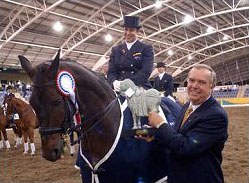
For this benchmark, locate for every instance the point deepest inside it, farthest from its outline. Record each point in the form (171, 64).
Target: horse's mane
(93, 78)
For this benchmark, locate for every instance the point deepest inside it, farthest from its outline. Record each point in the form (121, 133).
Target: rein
(65, 128)
(103, 112)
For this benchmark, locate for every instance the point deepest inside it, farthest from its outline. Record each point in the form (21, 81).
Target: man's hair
(207, 67)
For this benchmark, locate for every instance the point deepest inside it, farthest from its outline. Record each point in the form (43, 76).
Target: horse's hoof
(25, 153)
(32, 154)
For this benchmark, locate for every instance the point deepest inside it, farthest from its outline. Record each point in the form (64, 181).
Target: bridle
(45, 131)
(67, 126)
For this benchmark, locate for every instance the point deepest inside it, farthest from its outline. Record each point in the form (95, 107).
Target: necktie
(186, 115)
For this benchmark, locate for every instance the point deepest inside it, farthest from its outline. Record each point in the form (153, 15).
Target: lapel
(193, 118)
(123, 49)
(129, 53)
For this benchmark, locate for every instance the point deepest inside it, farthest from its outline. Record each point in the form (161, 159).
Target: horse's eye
(56, 103)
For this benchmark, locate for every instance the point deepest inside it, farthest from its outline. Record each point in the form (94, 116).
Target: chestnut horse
(105, 154)
(28, 120)
(3, 123)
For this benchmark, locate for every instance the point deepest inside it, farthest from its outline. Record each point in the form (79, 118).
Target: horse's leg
(26, 145)
(31, 138)
(18, 136)
(1, 141)
(72, 147)
(7, 144)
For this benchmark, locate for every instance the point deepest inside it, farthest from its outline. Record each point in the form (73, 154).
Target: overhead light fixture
(210, 29)
(225, 37)
(190, 57)
(170, 52)
(58, 27)
(158, 4)
(187, 19)
(108, 37)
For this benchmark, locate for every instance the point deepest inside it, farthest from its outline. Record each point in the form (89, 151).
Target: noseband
(66, 127)
(45, 131)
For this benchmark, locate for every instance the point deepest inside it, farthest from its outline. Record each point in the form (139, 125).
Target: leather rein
(67, 127)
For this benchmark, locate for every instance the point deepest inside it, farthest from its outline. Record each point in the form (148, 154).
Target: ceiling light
(210, 29)
(108, 37)
(190, 57)
(225, 37)
(58, 26)
(187, 19)
(158, 4)
(170, 52)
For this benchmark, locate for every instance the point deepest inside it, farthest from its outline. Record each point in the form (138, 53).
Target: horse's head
(10, 107)
(48, 104)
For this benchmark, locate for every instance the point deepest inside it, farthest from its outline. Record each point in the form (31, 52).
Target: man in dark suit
(198, 139)
(132, 59)
(163, 82)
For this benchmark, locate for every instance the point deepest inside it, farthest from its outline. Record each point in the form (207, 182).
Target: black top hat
(160, 64)
(131, 22)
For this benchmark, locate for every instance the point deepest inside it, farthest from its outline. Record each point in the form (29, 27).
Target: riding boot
(12, 124)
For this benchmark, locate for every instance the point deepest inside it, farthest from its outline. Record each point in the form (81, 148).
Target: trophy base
(139, 132)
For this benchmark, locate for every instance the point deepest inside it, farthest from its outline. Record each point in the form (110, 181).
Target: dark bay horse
(27, 123)
(105, 154)
(3, 123)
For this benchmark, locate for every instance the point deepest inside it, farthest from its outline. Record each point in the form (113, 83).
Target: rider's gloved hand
(116, 85)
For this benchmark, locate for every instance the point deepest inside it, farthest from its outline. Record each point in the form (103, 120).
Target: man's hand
(116, 85)
(155, 120)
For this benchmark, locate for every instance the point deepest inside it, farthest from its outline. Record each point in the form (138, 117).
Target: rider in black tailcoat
(132, 59)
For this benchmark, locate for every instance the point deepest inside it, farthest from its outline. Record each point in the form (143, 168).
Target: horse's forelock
(40, 71)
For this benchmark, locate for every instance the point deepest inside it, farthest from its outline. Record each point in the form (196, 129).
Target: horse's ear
(26, 65)
(52, 72)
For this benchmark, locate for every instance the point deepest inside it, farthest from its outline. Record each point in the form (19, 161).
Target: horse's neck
(20, 107)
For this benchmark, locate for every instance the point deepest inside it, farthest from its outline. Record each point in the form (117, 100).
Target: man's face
(130, 34)
(199, 85)
(161, 69)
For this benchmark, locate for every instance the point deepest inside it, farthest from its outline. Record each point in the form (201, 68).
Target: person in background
(132, 59)
(24, 90)
(197, 140)
(163, 82)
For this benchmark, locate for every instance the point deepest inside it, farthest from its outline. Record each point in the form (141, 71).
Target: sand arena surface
(16, 168)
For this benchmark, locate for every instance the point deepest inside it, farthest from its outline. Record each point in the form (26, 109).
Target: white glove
(116, 85)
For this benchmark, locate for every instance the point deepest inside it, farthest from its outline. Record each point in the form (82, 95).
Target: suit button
(123, 72)
(132, 72)
(131, 65)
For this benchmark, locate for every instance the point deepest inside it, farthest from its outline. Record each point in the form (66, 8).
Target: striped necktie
(186, 115)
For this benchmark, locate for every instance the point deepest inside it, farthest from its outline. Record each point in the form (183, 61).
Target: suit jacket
(196, 147)
(165, 84)
(135, 64)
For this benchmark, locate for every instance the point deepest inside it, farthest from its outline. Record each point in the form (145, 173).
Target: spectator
(163, 82)
(197, 141)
